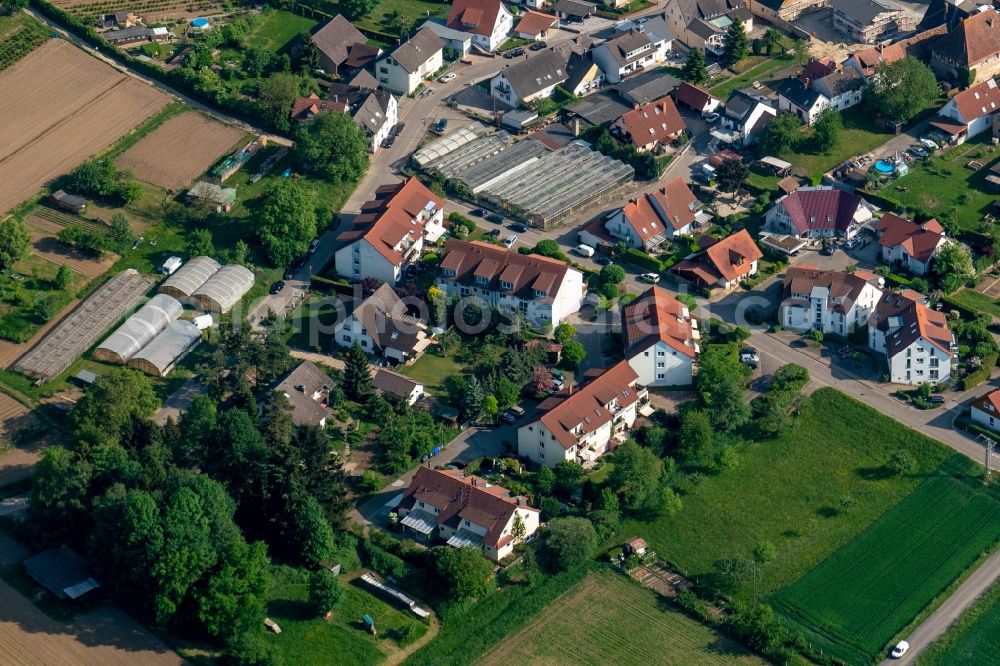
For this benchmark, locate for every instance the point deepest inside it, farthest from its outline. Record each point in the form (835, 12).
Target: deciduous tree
(694, 68)
(15, 241)
(826, 131)
(465, 571)
(899, 90)
(333, 147)
(571, 541)
(636, 475)
(286, 221)
(325, 591)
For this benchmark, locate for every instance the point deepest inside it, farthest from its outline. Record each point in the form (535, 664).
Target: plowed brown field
(179, 150)
(60, 106)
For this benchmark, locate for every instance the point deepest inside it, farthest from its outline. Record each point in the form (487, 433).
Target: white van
(585, 251)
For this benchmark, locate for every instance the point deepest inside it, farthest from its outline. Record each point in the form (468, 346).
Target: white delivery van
(585, 251)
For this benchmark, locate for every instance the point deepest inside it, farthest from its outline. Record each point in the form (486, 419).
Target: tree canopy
(15, 241)
(571, 541)
(465, 571)
(736, 46)
(899, 90)
(287, 221)
(333, 147)
(694, 68)
(636, 475)
(826, 131)
(953, 266)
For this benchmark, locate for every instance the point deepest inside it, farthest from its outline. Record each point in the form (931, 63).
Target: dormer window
(506, 285)
(539, 293)
(448, 272)
(482, 280)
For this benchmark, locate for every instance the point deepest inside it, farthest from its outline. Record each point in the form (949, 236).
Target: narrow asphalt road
(939, 621)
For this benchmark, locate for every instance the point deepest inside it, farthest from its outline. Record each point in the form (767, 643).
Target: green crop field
(853, 603)
(975, 634)
(788, 491)
(608, 619)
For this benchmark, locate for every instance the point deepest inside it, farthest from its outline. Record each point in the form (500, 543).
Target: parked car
(604, 260)
(388, 141)
(853, 243)
(512, 414)
(900, 649)
(538, 46)
(313, 245)
(494, 233)
(397, 129)
(277, 287)
(829, 250)
(930, 145)
(448, 78)
(477, 212)
(936, 399)
(749, 357)
(651, 278)
(584, 251)
(440, 126)
(711, 117)
(519, 227)
(494, 218)
(509, 241)
(514, 53)
(918, 151)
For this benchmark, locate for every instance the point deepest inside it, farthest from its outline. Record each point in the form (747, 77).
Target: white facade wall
(396, 79)
(567, 300)
(989, 419)
(807, 116)
(391, 117)
(919, 363)
(530, 520)
(537, 444)
(359, 260)
(816, 312)
(898, 254)
(662, 365)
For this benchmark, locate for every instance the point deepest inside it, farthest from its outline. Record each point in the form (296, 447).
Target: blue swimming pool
(885, 167)
(199, 22)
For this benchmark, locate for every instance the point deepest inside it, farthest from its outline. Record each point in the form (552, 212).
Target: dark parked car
(829, 250)
(538, 46)
(494, 233)
(604, 260)
(519, 227)
(440, 126)
(477, 212)
(936, 399)
(494, 218)
(277, 287)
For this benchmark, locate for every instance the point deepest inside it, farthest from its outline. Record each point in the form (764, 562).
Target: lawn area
(582, 627)
(787, 491)
(943, 187)
(861, 596)
(312, 325)
(276, 27)
(307, 640)
(380, 19)
(763, 70)
(977, 300)
(28, 303)
(432, 370)
(857, 138)
(975, 634)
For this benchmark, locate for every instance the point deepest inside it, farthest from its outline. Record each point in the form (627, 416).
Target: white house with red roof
(466, 511)
(487, 21)
(722, 262)
(655, 217)
(541, 290)
(917, 344)
(985, 410)
(660, 339)
(819, 212)
(971, 111)
(696, 98)
(583, 425)
(389, 233)
(828, 301)
(908, 244)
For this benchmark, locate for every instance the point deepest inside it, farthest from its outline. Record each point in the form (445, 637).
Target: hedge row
(977, 377)
(176, 78)
(964, 310)
(643, 260)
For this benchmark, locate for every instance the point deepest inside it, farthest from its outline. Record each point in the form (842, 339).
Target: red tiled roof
(992, 399)
(391, 216)
(672, 204)
(730, 258)
(657, 122)
(919, 241)
(693, 96)
(535, 23)
(657, 316)
(817, 69)
(588, 407)
(979, 100)
(474, 16)
(306, 108)
(975, 39)
(904, 320)
(820, 208)
(872, 56)
(526, 273)
(465, 497)
(844, 288)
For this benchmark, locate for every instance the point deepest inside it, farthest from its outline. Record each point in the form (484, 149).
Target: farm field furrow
(179, 150)
(586, 625)
(63, 107)
(853, 603)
